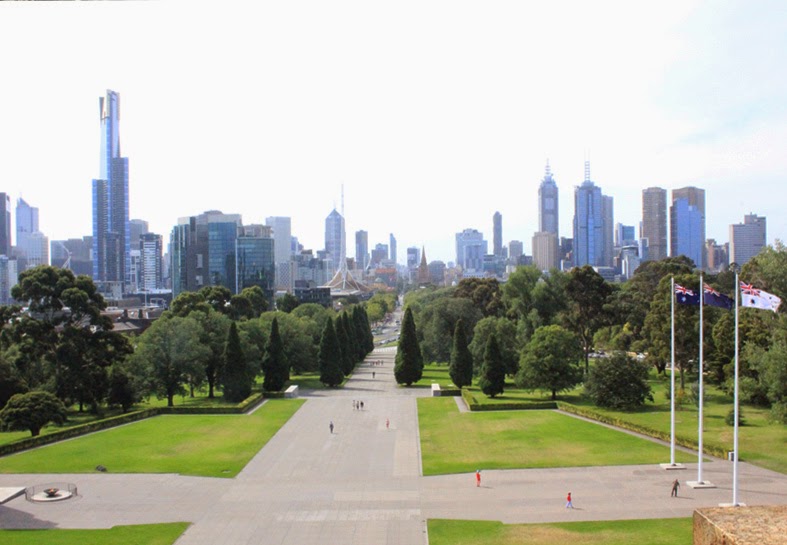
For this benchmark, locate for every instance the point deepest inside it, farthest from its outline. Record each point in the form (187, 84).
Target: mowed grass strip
(203, 445)
(621, 532)
(454, 442)
(142, 534)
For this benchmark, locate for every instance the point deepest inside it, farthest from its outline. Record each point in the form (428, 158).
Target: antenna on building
(587, 170)
(548, 171)
(342, 200)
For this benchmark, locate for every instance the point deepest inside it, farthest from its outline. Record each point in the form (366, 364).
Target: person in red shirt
(569, 505)
(478, 477)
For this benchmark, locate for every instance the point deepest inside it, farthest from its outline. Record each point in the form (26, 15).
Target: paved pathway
(362, 484)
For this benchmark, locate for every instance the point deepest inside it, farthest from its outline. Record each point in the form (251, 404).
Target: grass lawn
(620, 532)
(307, 380)
(142, 534)
(454, 442)
(204, 445)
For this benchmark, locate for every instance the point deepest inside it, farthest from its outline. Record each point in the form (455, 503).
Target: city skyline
(691, 97)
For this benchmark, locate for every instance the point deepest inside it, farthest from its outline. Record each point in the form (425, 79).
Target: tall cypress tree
(236, 377)
(493, 372)
(341, 335)
(274, 363)
(409, 366)
(461, 368)
(329, 357)
(352, 338)
(360, 335)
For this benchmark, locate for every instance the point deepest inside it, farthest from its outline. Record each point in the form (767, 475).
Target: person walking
(372, 374)
(675, 486)
(361, 405)
(330, 426)
(478, 477)
(387, 423)
(569, 505)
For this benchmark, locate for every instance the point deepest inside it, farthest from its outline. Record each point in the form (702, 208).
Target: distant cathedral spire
(423, 269)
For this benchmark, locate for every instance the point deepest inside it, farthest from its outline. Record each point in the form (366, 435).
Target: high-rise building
(588, 223)
(548, 204)
(625, 235)
(717, 255)
(413, 257)
(608, 219)
(150, 269)
(37, 250)
(5, 225)
(73, 254)
(282, 244)
(26, 223)
(470, 250)
(687, 224)
(361, 249)
(747, 239)
(515, 249)
(392, 248)
(137, 228)
(545, 251)
(335, 238)
(379, 254)
(8, 278)
(111, 233)
(254, 264)
(497, 234)
(654, 222)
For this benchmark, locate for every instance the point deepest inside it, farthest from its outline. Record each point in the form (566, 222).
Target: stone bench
(292, 391)
(435, 390)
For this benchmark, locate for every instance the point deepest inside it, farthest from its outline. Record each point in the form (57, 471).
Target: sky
(431, 115)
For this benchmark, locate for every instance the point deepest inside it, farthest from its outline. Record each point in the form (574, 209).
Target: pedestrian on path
(361, 405)
(372, 374)
(354, 406)
(675, 486)
(569, 505)
(387, 423)
(330, 426)
(478, 477)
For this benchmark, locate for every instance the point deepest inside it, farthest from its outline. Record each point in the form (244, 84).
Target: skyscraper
(608, 219)
(111, 233)
(26, 223)
(361, 249)
(588, 223)
(545, 251)
(654, 222)
(687, 224)
(470, 250)
(282, 248)
(334, 238)
(150, 250)
(747, 239)
(548, 204)
(5, 224)
(392, 248)
(497, 234)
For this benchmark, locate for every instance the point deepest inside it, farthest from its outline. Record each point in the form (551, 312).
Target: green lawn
(142, 534)
(621, 532)
(204, 445)
(454, 442)
(307, 380)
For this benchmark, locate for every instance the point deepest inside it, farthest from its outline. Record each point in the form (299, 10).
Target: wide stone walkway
(362, 484)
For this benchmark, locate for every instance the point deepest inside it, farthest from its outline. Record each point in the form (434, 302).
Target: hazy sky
(433, 115)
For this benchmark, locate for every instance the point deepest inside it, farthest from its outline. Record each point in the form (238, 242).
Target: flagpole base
(669, 467)
(732, 504)
(700, 484)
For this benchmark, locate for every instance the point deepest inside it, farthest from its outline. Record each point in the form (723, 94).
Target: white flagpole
(701, 394)
(672, 373)
(735, 415)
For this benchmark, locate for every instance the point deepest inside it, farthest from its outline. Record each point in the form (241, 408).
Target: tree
(618, 382)
(409, 365)
(297, 338)
(506, 334)
(275, 367)
(461, 368)
(352, 340)
(329, 357)
(287, 303)
(236, 379)
(587, 294)
(170, 351)
(256, 298)
(121, 389)
(550, 361)
(214, 328)
(437, 321)
(484, 293)
(493, 372)
(32, 411)
(218, 297)
(10, 382)
(344, 346)
(517, 293)
(187, 302)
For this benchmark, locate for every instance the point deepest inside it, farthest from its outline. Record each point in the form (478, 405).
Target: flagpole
(672, 373)
(735, 415)
(701, 393)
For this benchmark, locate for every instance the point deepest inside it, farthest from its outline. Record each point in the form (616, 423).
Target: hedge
(712, 449)
(473, 404)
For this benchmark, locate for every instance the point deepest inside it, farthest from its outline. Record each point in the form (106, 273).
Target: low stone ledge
(291, 391)
(436, 390)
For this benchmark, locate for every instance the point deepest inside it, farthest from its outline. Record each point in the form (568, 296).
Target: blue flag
(685, 296)
(715, 299)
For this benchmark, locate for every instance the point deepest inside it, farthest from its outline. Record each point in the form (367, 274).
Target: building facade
(255, 264)
(548, 215)
(546, 254)
(392, 248)
(497, 234)
(608, 219)
(5, 224)
(470, 250)
(334, 238)
(361, 249)
(588, 224)
(687, 219)
(654, 222)
(747, 239)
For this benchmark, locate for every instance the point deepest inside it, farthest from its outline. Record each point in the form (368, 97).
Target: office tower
(717, 255)
(437, 273)
(9, 277)
(687, 224)
(608, 219)
(413, 257)
(588, 223)
(379, 254)
(470, 250)
(497, 234)
(26, 224)
(282, 244)
(624, 235)
(548, 204)
(361, 250)
(73, 254)
(334, 238)
(654, 222)
(150, 268)
(111, 234)
(137, 228)
(5, 225)
(392, 248)
(747, 239)
(629, 261)
(545, 251)
(515, 249)
(255, 264)
(37, 251)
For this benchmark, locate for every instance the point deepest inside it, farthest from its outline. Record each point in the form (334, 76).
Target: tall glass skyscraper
(5, 224)
(334, 238)
(588, 223)
(654, 222)
(547, 204)
(111, 233)
(687, 224)
(497, 234)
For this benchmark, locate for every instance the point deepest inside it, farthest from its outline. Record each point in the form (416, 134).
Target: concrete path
(362, 484)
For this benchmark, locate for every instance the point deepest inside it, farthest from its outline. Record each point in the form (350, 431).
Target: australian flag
(715, 299)
(685, 296)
